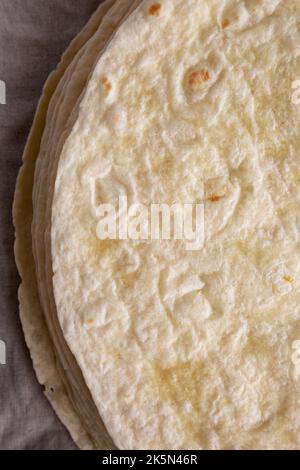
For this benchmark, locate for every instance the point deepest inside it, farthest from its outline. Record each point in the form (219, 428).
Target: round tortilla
(170, 348)
(181, 349)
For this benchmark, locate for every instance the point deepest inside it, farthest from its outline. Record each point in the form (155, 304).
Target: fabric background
(33, 35)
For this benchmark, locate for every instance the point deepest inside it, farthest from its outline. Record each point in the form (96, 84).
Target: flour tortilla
(188, 350)
(179, 350)
(35, 330)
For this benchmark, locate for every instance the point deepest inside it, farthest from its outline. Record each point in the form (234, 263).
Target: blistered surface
(188, 349)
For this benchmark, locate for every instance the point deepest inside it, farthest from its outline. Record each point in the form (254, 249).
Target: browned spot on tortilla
(129, 141)
(98, 247)
(106, 84)
(225, 23)
(288, 279)
(215, 198)
(183, 383)
(154, 10)
(164, 167)
(129, 280)
(198, 77)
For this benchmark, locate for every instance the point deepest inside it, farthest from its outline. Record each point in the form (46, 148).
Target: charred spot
(106, 85)
(215, 198)
(154, 10)
(225, 23)
(198, 77)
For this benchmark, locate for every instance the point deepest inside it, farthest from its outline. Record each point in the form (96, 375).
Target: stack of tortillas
(143, 344)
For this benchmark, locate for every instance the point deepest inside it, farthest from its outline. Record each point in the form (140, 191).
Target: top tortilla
(187, 350)
(178, 350)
